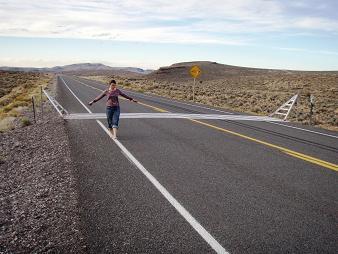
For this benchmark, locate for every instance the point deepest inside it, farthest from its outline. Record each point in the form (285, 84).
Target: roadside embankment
(39, 200)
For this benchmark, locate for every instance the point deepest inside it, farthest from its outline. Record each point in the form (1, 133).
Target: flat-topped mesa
(179, 72)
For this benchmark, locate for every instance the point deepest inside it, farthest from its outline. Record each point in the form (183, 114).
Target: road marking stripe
(88, 85)
(218, 248)
(155, 108)
(323, 164)
(76, 96)
(149, 106)
(316, 132)
(283, 149)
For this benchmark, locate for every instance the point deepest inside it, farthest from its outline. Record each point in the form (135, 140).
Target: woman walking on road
(113, 106)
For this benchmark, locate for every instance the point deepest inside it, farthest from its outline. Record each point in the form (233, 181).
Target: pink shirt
(112, 97)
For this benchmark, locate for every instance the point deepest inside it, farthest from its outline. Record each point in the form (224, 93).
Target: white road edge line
(185, 214)
(184, 103)
(288, 126)
(293, 127)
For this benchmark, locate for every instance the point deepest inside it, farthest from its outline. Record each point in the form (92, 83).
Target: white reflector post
(284, 110)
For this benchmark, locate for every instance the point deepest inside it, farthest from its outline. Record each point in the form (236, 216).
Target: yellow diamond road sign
(195, 71)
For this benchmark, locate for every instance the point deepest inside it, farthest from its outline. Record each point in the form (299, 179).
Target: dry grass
(259, 94)
(16, 91)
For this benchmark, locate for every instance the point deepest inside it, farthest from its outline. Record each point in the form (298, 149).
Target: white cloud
(325, 52)
(33, 62)
(317, 23)
(189, 21)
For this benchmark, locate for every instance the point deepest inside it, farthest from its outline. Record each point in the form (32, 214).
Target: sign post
(193, 90)
(195, 72)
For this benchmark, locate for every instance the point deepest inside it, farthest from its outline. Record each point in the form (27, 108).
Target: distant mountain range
(83, 69)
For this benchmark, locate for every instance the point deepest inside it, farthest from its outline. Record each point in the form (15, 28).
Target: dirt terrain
(250, 90)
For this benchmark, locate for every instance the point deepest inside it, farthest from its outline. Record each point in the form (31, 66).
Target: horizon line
(143, 68)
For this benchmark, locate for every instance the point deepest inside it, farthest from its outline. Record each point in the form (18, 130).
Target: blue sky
(281, 34)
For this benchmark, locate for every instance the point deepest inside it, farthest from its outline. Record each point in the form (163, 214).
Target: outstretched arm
(127, 97)
(98, 98)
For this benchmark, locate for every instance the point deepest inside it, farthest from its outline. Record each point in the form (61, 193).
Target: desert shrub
(20, 104)
(4, 101)
(14, 113)
(333, 121)
(256, 109)
(25, 122)
(27, 85)
(7, 108)
(140, 90)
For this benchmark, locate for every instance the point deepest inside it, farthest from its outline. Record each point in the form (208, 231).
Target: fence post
(33, 108)
(311, 101)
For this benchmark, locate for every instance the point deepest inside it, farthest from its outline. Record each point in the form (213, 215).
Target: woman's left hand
(134, 100)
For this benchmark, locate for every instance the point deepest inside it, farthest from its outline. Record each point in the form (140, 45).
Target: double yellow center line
(282, 149)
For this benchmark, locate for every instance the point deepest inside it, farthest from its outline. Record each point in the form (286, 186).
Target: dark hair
(112, 82)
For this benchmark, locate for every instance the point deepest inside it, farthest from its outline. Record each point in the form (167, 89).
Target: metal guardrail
(56, 104)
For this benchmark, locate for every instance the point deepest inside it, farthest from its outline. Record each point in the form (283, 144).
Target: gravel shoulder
(38, 193)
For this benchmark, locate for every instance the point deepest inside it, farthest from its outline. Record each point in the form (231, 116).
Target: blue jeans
(113, 116)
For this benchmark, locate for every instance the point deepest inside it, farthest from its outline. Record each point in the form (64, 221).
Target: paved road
(248, 187)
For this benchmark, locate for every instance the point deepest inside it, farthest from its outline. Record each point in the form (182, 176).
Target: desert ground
(16, 92)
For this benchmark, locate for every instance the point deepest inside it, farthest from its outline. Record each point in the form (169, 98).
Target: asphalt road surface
(206, 186)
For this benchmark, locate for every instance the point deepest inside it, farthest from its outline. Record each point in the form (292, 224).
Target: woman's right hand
(90, 103)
